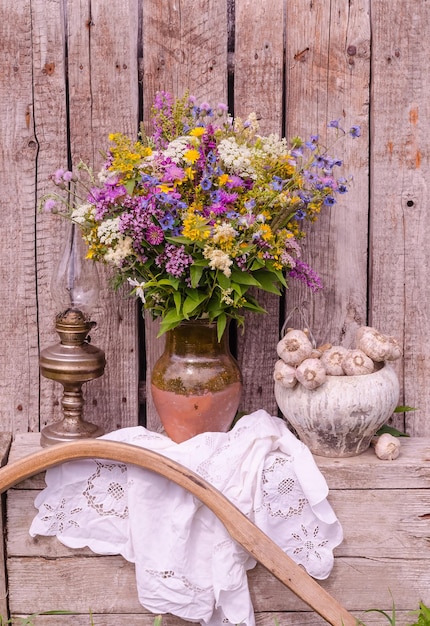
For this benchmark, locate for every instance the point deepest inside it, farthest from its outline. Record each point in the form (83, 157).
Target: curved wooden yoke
(241, 529)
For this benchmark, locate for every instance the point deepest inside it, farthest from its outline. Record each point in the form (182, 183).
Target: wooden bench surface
(384, 507)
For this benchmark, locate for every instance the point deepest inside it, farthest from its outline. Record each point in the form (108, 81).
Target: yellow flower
(223, 179)
(197, 132)
(266, 232)
(189, 173)
(196, 228)
(191, 155)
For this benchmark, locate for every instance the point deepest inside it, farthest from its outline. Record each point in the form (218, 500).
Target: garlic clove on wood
(311, 373)
(387, 447)
(332, 360)
(357, 363)
(285, 374)
(377, 346)
(294, 347)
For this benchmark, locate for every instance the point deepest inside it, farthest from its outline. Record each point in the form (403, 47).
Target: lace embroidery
(164, 574)
(280, 491)
(309, 547)
(106, 490)
(58, 517)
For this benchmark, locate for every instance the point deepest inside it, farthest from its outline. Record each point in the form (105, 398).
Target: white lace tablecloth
(186, 563)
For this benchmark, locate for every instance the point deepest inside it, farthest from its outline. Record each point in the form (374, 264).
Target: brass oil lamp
(74, 360)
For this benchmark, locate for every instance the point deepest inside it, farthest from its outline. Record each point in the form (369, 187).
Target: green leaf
(253, 306)
(178, 301)
(221, 324)
(191, 303)
(223, 281)
(196, 272)
(171, 320)
(178, 239)
(404, 409)
(391, 430)
(171, 282)
(243, 278)
(239, 289)
(268, 281)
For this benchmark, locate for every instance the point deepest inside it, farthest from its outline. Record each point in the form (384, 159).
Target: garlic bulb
(311, 373)
(387, 447)
(284, 374)
(332, 360)
(377, 346)
(357, 363)
(294, 347)
(319, 351)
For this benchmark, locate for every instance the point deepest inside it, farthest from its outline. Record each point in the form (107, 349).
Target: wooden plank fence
(72, 71)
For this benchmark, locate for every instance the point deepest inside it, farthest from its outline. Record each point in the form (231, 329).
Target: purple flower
(277, 183)
(235, 182)
(205, 183)
(355, 131)
(307, 275)
(50, 205)
(173, 172)
(154, 235)
(329, 201)
(175, 260)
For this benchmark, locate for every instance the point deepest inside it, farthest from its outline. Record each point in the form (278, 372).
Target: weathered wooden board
(102, 69)
(5, 441)
(261, 619)
(18, 160)
(80, 98)
(107, 584)
(396, 524)
(400, 114)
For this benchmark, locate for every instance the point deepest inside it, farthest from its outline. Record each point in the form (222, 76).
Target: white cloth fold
(186, 562)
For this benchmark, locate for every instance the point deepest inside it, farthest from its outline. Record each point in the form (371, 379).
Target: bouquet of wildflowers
(201, 211)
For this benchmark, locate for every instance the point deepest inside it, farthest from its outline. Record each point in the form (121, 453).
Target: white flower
(223, 232)
(83, 213)
(218, 260)
(108, 231)
(177, 148)
(273, 146)
(226, 296)
(138, 288)
(236, 158)
(123, 249)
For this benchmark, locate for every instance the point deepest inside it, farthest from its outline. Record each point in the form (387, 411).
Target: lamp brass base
(72, 362)
(60, 433)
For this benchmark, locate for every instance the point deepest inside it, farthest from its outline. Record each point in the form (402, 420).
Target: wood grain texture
(18, 161)
(400, 114)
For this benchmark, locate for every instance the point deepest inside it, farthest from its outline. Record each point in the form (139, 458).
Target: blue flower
(355, 131)
(277, 183)
(329, 201)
